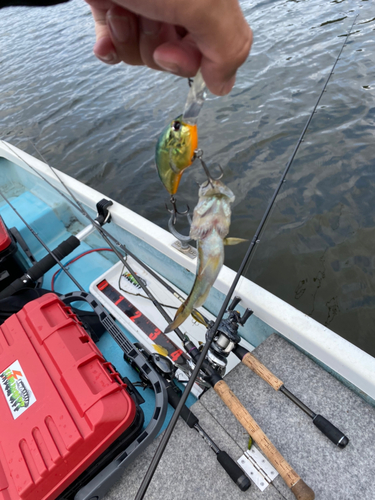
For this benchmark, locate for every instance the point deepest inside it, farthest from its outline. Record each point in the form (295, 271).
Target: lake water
(100, 125)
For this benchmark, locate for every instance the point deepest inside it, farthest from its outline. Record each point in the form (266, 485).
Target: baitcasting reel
(226, 337)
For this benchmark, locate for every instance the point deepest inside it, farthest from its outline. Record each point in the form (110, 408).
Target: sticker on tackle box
(16, 389)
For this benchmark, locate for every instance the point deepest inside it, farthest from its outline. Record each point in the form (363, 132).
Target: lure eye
(176, 126)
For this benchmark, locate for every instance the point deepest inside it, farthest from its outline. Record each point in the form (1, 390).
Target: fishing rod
(196, 314)
(227, 340)
(182, 336)
(212, 331)
(53, 257)
(167, 369)
(157, 361)
(245, 356)
(326, 427)
(297, 485)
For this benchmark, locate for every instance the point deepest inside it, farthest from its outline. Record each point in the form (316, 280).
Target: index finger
(217, 27)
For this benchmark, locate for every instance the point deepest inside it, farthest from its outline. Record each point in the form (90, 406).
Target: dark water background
(100, 125)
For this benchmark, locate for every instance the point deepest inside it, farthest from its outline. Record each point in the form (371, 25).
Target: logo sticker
(16, 389)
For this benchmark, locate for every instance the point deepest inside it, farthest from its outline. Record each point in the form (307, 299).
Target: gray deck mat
(189, 469)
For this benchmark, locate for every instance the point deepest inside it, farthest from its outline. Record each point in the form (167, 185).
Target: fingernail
(150, 27)
(110, 58)
(228, 85)
(167, 65)
(119, 27)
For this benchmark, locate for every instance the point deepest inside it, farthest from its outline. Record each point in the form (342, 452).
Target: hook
(175, 211)
(172, 221)
(181, 237)
(198, 154)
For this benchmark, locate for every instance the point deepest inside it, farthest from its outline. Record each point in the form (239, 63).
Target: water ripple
(100, 124)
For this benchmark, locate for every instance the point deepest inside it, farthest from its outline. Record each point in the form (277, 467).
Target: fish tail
(182, 314)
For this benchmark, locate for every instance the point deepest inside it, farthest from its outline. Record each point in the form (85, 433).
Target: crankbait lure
(175, 152)
(179, 140)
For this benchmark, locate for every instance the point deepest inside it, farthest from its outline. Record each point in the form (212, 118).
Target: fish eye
(176, 126)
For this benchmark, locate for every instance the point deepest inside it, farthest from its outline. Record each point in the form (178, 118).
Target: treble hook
(172, 221)
(175, 211)
(198, 153)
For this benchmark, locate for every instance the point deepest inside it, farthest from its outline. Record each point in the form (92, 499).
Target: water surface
(100, 125)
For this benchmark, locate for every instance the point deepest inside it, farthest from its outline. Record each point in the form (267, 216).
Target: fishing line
(196, 315)
(212, 331)
(300, 140)
(182, 336)
(34, 233)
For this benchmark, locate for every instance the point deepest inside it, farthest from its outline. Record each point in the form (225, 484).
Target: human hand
(175, 35)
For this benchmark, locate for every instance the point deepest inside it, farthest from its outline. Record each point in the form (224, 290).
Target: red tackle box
(64, 411)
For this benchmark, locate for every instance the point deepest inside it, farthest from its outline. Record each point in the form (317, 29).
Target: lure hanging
(179, 139)
(175, 152)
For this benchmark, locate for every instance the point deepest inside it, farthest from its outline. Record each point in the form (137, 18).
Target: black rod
(105, 235)
(34, 233)
(211, 332)
(332, 432)
(229, 465)
(78, 206)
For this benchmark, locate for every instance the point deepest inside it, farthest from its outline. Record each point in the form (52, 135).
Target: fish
(210, 226)
(175, 152)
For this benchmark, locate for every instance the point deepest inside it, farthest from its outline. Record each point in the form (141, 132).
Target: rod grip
(48, 262)
(285, 470)
(40, 268)
(263, 372)
(332, 432)
(233, 470)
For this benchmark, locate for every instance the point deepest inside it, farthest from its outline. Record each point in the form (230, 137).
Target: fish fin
(182, 314)
(233, 241)
(213, 263)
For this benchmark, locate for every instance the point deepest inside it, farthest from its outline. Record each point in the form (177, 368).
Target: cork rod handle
(257, 367)
(299, 488)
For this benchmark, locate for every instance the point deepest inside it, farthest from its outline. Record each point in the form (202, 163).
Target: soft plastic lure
(209, 227)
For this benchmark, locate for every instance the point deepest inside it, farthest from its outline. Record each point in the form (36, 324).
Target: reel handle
(234, 303)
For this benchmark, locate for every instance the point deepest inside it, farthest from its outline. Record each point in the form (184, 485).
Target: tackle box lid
(61, 403)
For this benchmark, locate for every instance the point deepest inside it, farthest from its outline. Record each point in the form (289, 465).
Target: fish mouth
(216, 188)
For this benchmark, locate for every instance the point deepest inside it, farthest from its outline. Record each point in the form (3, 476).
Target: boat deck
(189, 470)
